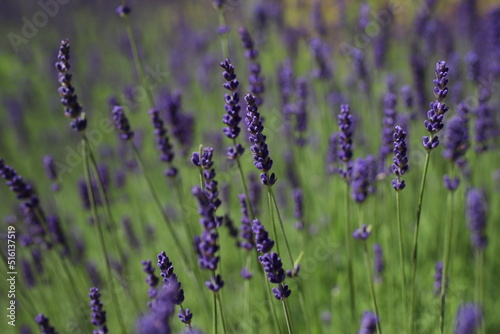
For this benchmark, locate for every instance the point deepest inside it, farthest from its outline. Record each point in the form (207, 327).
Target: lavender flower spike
(51, 171)
(170, 278)
(435, 116)
(468, 319)
(69, 99)
(400, 165)
(45, 327)
(275, 273)
(476, 216)
(121, 123)
(345, 123)
(151, 279)
(369, 323)
(259, 147)
(438, 279)
(256, 81)
(163, 142)
(362, 233)
(98, 315)
(232, 117)
(378, 262)
(360, 183)
(263, 242)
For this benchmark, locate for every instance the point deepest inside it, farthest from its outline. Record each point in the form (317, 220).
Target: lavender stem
(370, 283)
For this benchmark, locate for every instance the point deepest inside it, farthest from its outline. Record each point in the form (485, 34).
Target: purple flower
(182, 123)
(321, 54)
(157, 320)
(369, 323)
(246, 225)
(121, 123)
(97, 315)
(123, 10)
(205, 163)
(388, 123)
(55, 229)
(332, 156)
(69, 99)
(163, 142)
(360, 180)
(438, 279)
(51, 171)
(407, 97)
(456, 137)
(256, 81)
(345, 122)
(451, 184)
(282, 292)
(254, 192)
(44, 324)
(484, 124)
(170, 278)
(258, 140)
(435, 116)
(299, 208)
(379, 264)
(476, 216)
(263, 242)
(186, 316)
(301, 110)
(362, 233)
(245, 273)
(273, 267)
(473, 66)
(232, 117)
(151, 278)
(215, 284)
(400, 165)
(468, 319)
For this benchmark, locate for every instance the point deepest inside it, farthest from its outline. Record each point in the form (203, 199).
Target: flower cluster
(360, 180)
(400, 165)
(151, 279)
(51, 171)
(476, 216)
(121, 123)
(301, 110)
(435, 116)
(69, 99)
(345, 135)
(45, 327)
(169, 277)
(468, 319)
(256, 81)
(388, 123)
(246, 225)
(369, 323)
(163, 142)
(299, 208)
(258, 140)
(438, 279)
(205, 163)
(98, 315)
(379, 263)
(363, 232)
(206, 245)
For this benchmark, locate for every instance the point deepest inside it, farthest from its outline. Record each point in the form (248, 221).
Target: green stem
(287, 317)
(137, 61)
(245, 189)
(223, 39)
(415, 242)
(267, 286)
(223, 319)
(100, 235)
(447, 256)
(349, 252)
(271, 211)
(246, 296)
(372, 289)
(270, 189)
(214, 314)
(401, 260)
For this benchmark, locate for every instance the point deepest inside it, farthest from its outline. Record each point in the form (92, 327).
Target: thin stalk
(287, 317)
(137, 60)
(246, 295)
(271, 194)
(100, 235)
(401, 260)
(271, 211)
(214, 319)
(156, 199)
(370, 283)
(447, 256)
(349, 252)
(270, 300)
(245, 189)
(223, 38)
(223, 319)
(415, 242)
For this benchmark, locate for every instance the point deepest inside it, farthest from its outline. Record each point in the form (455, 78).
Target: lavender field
(264, 166)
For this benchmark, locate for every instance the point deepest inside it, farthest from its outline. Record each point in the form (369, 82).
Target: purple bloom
(121, 123)
(456, 136)
(317, 19)
(379, 264)
(468, 319)
(476, 208)
(321, 54)
(28, 276)
(245, 273)
(57, 233)
(151, 278)
(282, 292)
(186, 316)
(362, 233)
(256, 81)
(69, 99)
(438, 279)
(263, 242)
(484, 124)
(132, 239)
(182, 124)
(388, 123)
(45, 325)
(123, 10)
(360, 180)
(400, 165)
(435, 116)
(258, 140)
(169, 277)
(451, 184)
(51, 171)
(273, 267)
(246, 225)
(205, 163)
(407, 97)
(98, 315)
(299, 208)
(345, 122)
(369, 323)
(215, 284)
(332, 156)
(473, 66)
(16, 183)
(301, 110)
(157, 320)
(232, 117)
(254, 192)
(163, 142)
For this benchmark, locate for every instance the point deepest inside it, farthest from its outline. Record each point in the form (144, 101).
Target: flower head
(468, 319)
(98, 315)
(363, 232)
